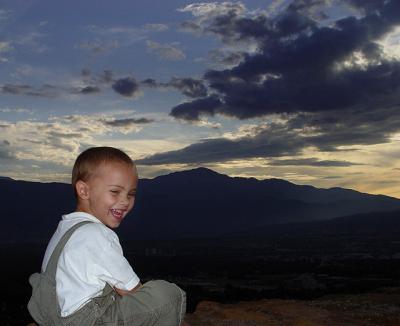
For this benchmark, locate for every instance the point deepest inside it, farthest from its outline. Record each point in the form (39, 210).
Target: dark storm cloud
(127, 86)
(126, 122)
(299, 66)
(191, 111)
(231, 27)
(190, 87)
(327, 132)
(292, 23)
(150, 82)
(231, 23)
(273, 142)
(360, 127)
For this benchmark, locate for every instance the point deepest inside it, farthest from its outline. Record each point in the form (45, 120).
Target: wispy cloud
(104, 78)
(6, 152)
(312, 162)
(127, 122)
(165, 51)
(126, 125)
(61, 138)
(88, 84)
(4, 14)
(226, 58)
(49, 91)
(214, 9)
(32, 41)
(107, 39)
(5, 49)
(98, 46)
(15, 110)
(155, 27)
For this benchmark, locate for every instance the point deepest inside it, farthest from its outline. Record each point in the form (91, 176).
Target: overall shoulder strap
(52, 264)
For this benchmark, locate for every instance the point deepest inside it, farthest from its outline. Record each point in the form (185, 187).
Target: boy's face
(110, 192)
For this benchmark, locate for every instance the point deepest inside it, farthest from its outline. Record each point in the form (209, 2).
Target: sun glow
(391, 43)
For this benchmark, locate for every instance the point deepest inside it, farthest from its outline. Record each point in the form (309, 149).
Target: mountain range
(192, 203)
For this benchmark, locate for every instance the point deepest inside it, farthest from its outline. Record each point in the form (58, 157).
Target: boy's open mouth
(117, 213)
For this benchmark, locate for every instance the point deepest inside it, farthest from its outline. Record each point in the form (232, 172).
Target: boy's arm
(125, 292)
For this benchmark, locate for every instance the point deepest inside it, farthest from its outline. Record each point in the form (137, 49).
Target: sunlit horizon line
(66, 180)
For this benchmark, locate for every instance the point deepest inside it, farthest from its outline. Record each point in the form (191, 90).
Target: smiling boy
(94, 282)
(109, 192)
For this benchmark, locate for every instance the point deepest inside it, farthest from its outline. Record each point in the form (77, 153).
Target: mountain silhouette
(191, 203)
(5, 178)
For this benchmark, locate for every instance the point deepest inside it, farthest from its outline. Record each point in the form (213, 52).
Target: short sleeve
(101, 257)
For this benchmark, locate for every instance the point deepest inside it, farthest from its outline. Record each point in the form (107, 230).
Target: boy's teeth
(117, 211)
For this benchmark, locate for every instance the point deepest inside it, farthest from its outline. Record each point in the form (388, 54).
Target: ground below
(381, 307)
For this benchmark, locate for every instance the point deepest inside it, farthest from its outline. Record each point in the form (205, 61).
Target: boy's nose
(125, 201)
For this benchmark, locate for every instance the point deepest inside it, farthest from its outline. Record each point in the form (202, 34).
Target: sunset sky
(306, 90)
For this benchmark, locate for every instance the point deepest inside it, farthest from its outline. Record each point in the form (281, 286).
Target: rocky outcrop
(378, 308)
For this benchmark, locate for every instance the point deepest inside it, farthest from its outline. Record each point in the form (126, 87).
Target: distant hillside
(31, 210)
(197, 202)
(202, 202)
(355, 225)
(5, 178)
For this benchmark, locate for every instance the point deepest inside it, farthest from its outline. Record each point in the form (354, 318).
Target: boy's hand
(125, 292)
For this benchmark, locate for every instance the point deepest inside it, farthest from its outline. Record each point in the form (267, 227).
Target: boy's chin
(113, 225)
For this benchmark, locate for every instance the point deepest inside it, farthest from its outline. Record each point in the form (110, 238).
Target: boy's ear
(82, 189)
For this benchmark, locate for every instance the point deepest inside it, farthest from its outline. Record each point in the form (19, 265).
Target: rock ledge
(376, 308)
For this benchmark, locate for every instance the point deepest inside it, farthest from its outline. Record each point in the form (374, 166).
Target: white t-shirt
(91, 258)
